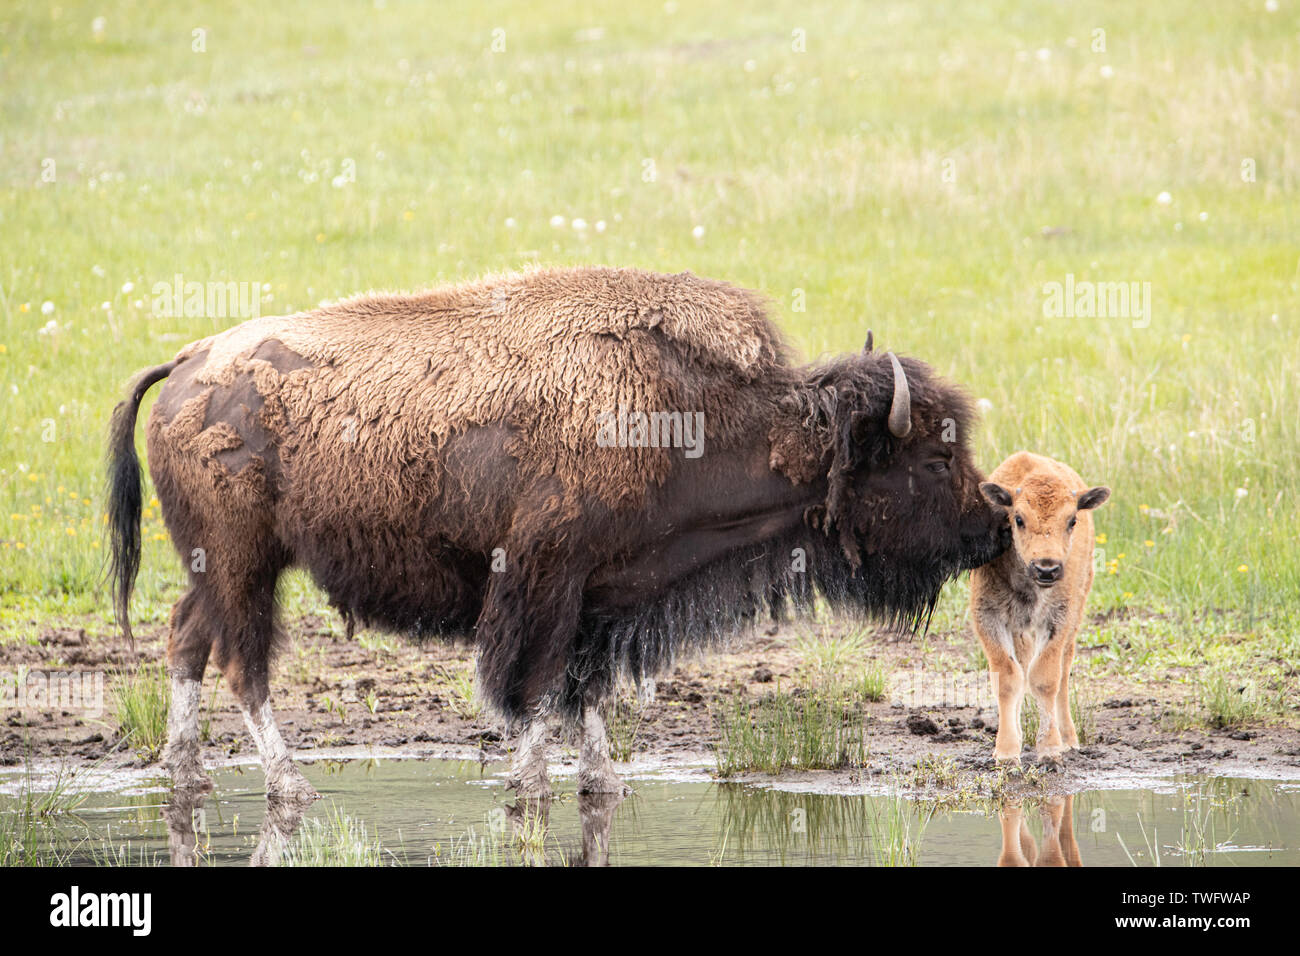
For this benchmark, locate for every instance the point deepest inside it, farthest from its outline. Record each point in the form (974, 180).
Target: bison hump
(545, 352)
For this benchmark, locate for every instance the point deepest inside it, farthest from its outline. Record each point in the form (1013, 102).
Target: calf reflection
(1057, 846)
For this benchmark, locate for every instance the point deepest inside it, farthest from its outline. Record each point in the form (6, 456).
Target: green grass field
(923, 171)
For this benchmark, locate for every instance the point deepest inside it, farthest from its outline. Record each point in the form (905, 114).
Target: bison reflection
(528, 819)
(187, 833)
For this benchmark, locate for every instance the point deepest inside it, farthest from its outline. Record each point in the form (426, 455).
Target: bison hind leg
(248, 637)
(188, 646)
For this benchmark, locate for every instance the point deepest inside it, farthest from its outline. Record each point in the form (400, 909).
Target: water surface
(420, 812)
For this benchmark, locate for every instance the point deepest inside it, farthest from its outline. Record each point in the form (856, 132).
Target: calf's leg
(1069, 734)
(1008, 682)
(1045, 683)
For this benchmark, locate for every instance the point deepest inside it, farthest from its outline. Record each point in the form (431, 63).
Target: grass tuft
(335, 839)
(141, 701)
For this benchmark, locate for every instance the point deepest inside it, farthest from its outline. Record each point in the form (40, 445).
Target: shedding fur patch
(386, 375)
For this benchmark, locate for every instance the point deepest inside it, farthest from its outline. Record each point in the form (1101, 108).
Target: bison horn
(867, 347)
(900, 412)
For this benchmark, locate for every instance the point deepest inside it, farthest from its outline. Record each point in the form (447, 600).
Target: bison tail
(125, 494)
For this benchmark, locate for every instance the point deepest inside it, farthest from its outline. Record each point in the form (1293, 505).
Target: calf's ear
(1093, 497)
(995, 494)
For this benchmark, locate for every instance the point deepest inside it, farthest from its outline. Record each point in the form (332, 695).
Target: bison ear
(1093, 497)
(995, 494)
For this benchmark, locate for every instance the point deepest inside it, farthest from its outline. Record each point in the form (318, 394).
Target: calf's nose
(1046, 570)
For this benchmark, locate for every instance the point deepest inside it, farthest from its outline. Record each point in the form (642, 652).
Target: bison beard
(433, 461)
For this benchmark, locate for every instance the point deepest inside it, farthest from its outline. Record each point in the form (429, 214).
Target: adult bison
(583, 471)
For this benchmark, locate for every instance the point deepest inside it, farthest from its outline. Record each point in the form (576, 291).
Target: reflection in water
(529, 819)
(1056, 847)
(449, 813)
(283, 817)
(183, 814)
(187, 832)
(767, 823)
(885, 831)
(596, 811)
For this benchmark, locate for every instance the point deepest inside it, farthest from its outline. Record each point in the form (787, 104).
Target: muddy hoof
(289, 786)
(1007, 763)
(1051, 761)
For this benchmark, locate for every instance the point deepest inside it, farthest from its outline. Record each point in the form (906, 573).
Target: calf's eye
(1070, 526)
(1020, 522)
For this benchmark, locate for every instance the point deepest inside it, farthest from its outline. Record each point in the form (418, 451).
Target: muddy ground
(378, 692)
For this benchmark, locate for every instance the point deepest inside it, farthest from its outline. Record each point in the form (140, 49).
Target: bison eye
(937, 467)
(1070, 526)
(1020, 522)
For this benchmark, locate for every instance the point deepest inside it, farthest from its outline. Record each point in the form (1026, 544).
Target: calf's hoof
(1051, 760)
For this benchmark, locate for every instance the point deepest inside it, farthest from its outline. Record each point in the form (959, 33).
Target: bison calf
(1027, 604)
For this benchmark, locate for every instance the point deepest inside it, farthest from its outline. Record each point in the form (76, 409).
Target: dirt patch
(379, 692)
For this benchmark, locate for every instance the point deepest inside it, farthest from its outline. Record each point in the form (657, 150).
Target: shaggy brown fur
(1027, 605)
(433, 460)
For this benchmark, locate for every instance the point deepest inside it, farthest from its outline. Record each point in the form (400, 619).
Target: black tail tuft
(125, 494)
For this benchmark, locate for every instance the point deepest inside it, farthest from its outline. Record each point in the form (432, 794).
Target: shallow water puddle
(439, 811)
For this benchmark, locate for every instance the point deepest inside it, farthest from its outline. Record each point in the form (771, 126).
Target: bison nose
(1046, 572)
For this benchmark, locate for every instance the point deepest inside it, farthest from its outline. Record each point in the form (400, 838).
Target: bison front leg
(528, 767)
(596, 772)
(525, 635)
